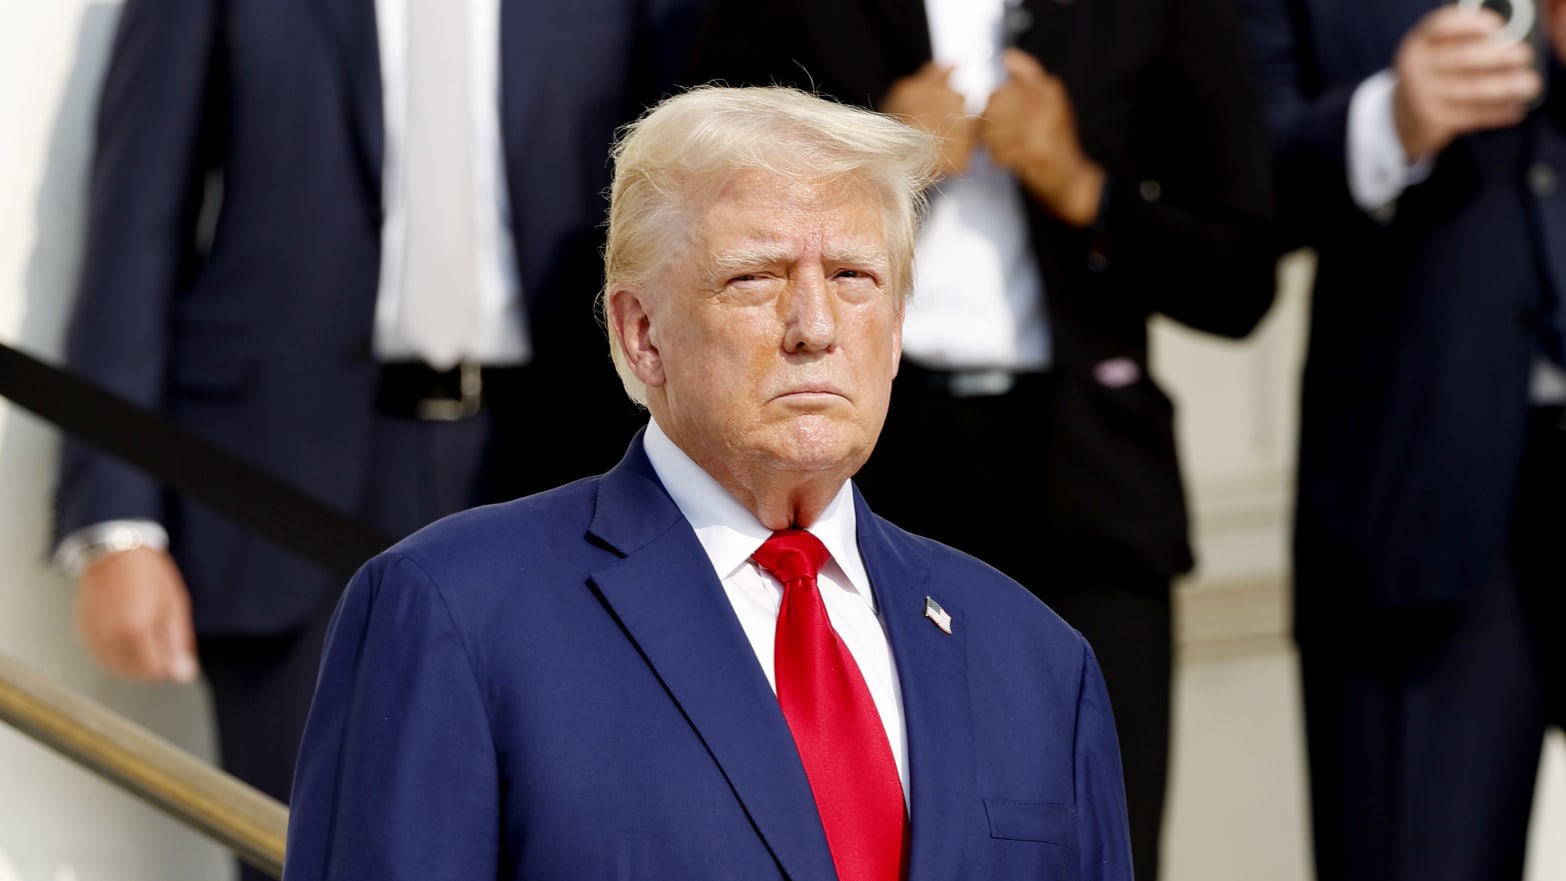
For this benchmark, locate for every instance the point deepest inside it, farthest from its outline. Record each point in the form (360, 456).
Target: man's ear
(897, 334)
(631, 322)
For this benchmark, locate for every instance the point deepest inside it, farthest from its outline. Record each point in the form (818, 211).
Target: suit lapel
(351, 29)
(933, 676)
(670, 603)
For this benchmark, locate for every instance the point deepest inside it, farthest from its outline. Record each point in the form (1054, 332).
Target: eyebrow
(739, 259)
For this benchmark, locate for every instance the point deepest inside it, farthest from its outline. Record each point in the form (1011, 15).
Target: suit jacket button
(1541, 179)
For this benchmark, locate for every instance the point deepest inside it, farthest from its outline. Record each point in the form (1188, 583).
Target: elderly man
(714, 662)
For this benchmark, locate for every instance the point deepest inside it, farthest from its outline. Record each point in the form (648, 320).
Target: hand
(133, 615)
(1031, 131)
(925, 100)
(1557, 24)
(1456, 76)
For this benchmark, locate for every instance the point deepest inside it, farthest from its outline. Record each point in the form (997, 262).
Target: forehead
(761, 206)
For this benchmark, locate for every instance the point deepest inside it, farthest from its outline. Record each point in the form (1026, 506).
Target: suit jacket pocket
(1032, 821)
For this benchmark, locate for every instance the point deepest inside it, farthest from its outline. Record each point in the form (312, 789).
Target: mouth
(814, 395)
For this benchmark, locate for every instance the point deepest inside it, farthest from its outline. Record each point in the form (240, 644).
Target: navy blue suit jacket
(558, 687)
(1424, 328)
(252, 326)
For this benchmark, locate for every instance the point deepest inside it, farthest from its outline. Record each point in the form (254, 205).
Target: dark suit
(256, 333)
(558, 687)
(1163, 103)
(1420, 479)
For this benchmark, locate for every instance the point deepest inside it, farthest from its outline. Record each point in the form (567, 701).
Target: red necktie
(834, 720)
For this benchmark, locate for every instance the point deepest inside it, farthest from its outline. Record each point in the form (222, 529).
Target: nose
(810, 322)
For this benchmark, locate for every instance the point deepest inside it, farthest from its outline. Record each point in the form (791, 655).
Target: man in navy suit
(609, 680)
(1416, 154)
(255, 213)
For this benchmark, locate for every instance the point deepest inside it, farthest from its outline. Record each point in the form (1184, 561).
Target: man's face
(777, 336)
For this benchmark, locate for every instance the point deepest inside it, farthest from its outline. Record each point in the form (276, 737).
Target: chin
(822, 445)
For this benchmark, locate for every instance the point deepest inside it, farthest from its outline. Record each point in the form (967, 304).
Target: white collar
(730, 533)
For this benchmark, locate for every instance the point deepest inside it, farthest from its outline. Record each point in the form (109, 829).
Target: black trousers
(1424, 730)
(954, 468)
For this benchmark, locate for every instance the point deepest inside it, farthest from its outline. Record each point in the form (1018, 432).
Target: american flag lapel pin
(940, 616)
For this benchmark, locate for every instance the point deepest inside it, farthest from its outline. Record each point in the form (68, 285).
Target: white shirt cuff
(1378, 171)
(92, 543)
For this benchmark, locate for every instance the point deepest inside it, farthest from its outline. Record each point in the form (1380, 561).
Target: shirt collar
(730, 533)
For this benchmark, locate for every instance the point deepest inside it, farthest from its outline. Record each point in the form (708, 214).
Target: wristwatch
(85, 547)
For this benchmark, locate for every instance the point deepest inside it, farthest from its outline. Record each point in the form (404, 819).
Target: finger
(1007, 103)
(965, 130)
(146, 654)
(107, 648)
(1452, 22)
(1504, 90)
(1003, 149)
(1022, 67)
(1485, 118)
(956, 131)
(1478, 57)
(180, 642)
(933, 72)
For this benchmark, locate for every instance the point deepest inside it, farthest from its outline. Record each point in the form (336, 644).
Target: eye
(749, 287)
(746, 280)
(856, 275)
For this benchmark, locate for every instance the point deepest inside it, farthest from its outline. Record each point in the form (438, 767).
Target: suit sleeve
(396, 777)
(157, 119)
(1103, 833)
(1307, 121)
(1195, 233)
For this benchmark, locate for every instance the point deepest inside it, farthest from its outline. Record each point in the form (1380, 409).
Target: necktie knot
(792, 555)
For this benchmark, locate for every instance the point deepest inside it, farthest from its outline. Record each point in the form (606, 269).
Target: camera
(1522, 17)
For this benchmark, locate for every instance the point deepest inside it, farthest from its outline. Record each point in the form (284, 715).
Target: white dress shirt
(730, 533)
(978, 296)
(1379, 172)
(505, 340)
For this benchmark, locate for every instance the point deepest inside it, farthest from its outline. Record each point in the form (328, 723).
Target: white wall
(1237, 809)
(59, 823)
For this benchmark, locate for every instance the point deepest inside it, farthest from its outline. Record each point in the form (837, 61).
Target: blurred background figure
(1104, 163)
(1432, 462)
(350, 241)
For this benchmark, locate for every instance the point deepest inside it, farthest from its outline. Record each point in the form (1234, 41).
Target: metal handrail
(250, 823)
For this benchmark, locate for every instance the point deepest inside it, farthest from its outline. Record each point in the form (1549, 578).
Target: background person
(368, 155)
(1432, 452)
